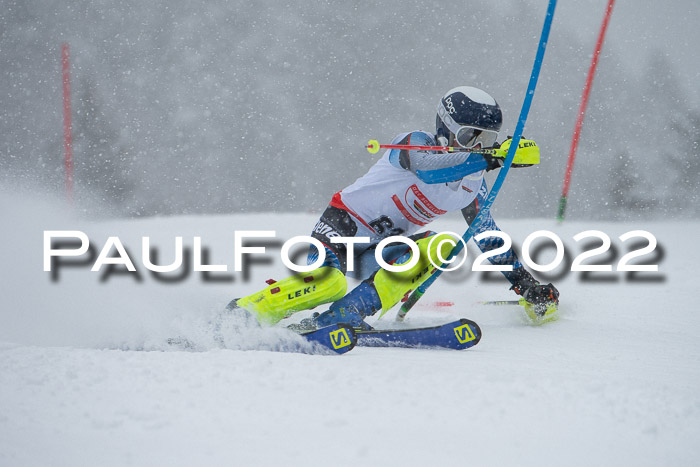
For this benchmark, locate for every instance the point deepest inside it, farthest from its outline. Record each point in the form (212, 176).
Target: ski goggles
(467, 136)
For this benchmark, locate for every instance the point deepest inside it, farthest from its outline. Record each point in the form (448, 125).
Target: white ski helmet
(468, 117)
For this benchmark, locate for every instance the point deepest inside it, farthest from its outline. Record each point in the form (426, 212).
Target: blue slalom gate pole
(524, 111)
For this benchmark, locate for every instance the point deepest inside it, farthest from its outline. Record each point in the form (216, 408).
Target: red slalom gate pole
(67, 124)
(582, 112)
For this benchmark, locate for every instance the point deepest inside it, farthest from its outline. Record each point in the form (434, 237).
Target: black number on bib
(385, 227)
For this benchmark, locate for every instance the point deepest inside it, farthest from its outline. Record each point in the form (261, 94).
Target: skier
(403, 192)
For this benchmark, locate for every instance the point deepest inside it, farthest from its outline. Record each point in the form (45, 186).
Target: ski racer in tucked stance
(402, 193)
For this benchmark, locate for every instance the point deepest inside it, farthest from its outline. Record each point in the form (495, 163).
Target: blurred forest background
(217, 106)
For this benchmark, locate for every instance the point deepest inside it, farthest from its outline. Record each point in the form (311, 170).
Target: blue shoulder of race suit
(417, 138)
(431, 166)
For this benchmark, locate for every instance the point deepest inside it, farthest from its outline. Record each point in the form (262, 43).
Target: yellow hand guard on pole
(528, 152)
(539, 317)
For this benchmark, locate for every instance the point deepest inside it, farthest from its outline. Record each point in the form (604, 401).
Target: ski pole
(476, 223)
(373, 147)
(503, 302)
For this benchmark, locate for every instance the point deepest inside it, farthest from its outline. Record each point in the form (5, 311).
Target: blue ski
(338, 338)
(457, 335)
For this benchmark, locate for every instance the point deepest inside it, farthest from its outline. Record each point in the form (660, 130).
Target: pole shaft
(67, 124)
(519, 127)
(582, 111)
(437, 148)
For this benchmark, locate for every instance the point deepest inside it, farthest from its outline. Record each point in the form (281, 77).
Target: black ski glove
(493, 162)
(539, 295)
(542, 294)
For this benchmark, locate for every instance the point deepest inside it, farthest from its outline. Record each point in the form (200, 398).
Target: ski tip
(468, 333)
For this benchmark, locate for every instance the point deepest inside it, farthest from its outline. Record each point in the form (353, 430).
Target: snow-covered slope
(616, 381)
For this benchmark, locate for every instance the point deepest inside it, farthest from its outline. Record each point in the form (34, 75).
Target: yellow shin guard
(393, 286)
(300, 292)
